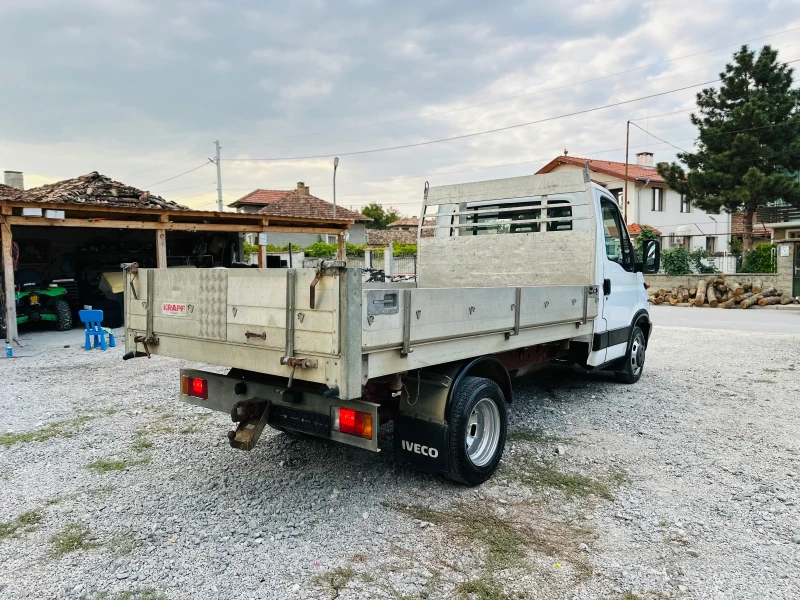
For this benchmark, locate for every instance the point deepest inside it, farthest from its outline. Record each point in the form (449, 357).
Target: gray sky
(138, 90)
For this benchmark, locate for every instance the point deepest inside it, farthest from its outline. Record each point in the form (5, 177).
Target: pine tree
(748, 140)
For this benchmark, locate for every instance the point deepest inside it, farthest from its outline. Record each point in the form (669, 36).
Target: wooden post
(262, 256)
(342, 247)
(8, 277)
(161, 248)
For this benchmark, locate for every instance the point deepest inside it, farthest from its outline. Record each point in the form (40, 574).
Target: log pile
(718, 291)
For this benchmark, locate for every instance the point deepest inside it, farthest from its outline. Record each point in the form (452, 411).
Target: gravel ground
(683, 486)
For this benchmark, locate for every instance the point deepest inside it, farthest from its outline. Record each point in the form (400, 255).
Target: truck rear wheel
(477, 434)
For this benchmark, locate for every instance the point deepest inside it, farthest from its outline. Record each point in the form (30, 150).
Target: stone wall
(786, 265)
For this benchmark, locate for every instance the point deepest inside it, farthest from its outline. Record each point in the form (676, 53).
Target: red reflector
(198, 388)
(354, 422)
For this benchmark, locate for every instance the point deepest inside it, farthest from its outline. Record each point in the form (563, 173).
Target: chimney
(644, 159)
(14, 179)
(302, 188)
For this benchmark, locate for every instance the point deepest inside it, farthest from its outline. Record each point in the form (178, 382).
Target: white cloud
(133, 88)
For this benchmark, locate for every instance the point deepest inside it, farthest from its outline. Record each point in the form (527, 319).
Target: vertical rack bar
(291, 285)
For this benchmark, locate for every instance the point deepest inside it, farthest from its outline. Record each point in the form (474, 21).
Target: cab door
(621, 286)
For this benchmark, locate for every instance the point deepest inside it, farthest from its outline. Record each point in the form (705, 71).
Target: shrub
(760, 260)
(675, 262)
(697, 258)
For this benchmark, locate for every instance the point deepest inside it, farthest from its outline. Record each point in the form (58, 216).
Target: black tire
(470, 392)
(64, 314)
(633, 368)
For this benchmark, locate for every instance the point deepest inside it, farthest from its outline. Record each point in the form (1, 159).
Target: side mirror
(651, 254)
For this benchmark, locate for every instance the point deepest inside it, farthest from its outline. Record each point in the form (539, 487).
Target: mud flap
(422, 443)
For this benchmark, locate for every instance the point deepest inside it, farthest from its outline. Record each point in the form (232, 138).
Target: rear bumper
(290, 408)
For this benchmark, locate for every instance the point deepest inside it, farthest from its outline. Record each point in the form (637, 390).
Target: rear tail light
(195, 387)
(353, 422)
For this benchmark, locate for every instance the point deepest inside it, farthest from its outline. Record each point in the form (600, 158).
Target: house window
(711, 244)
(617, 195)
(684, 204)
(658, 200)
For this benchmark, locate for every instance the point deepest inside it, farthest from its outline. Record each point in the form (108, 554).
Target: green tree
(380, 216)
(748, 140)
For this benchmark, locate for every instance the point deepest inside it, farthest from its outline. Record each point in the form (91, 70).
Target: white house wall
(640, 211)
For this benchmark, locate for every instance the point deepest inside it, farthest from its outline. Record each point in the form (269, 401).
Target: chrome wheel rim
(637, 355)
(483, 432)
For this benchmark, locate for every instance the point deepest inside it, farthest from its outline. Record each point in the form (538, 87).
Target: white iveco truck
(518, 273)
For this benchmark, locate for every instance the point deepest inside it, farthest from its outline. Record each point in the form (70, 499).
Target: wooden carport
(159, 217)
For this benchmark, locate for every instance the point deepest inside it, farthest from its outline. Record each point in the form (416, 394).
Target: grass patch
(140, 444)
(26, 521)
(115, 465)
(72, 538)
(337, 579)
(535, 436)
(768, 370)
(122, 544)
(486, 588)
(572, 484)
(504, 540)
(67, 428)
(143, 594)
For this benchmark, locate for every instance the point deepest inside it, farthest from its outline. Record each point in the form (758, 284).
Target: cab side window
(617, 243)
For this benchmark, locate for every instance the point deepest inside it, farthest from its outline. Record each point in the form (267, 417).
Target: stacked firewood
(719, 291)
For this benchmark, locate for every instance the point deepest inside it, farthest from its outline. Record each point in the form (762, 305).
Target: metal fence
(403, 265)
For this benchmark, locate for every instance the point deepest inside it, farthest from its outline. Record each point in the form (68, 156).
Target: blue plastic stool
(93, 320)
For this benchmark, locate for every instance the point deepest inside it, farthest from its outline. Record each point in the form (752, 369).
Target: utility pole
(219, 179)
(335, 164)
(625, 184)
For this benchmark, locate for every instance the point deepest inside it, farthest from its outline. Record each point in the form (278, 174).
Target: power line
(431, 115)
(166, 162)
(176, 176)
(674, 112)
(188, 187)
(658, 138)
(477, 133)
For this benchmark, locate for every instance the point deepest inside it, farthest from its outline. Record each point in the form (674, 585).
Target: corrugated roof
(96, 189)
(607, 167)
(296, 204)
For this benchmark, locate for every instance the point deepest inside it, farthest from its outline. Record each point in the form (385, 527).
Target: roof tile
(96, 189)
(296, 204)
(607, 167)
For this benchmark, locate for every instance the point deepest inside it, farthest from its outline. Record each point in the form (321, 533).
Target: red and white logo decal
(173, 309)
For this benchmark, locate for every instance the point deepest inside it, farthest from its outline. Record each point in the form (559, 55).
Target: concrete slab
(759, 320)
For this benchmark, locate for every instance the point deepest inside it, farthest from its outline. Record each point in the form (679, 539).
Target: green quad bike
(36, 302)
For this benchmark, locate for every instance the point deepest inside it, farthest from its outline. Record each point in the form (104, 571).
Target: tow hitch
(252, 416)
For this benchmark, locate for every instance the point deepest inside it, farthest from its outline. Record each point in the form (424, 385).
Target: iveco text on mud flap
(518, 274)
